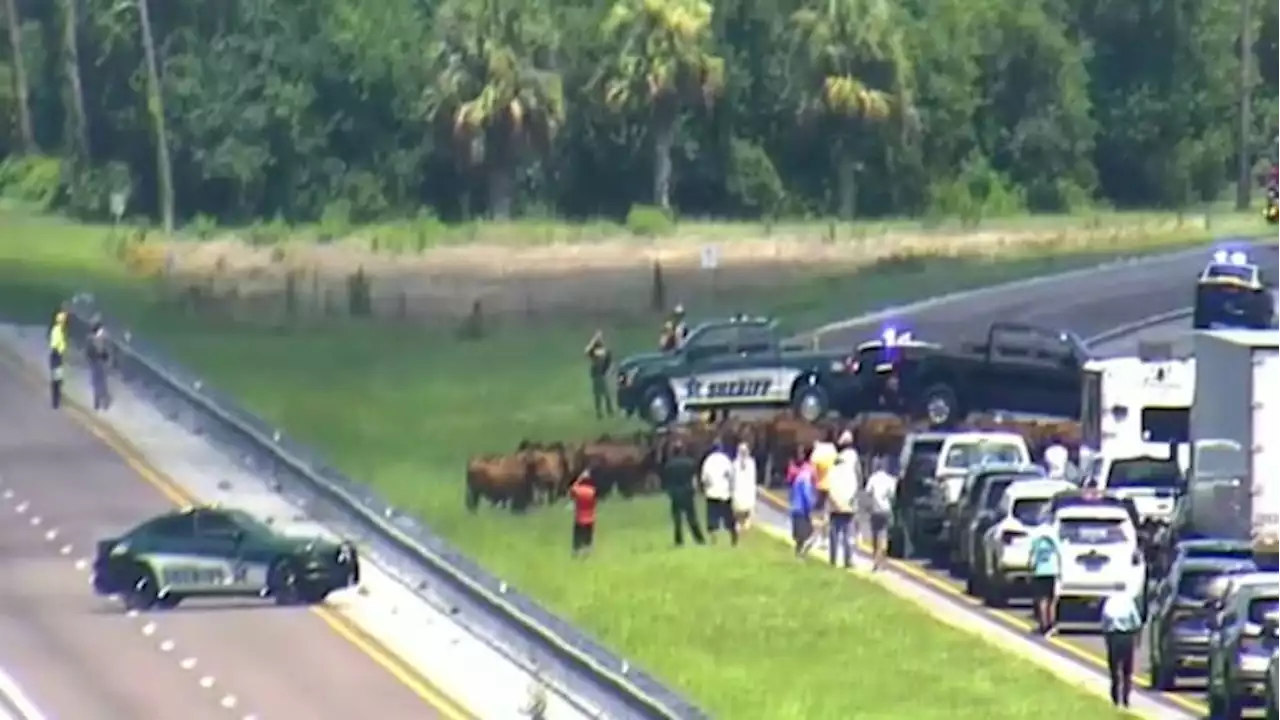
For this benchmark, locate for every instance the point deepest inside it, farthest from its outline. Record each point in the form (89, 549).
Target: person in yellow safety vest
(57, 354)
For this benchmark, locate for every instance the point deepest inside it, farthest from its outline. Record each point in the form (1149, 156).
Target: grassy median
(746, 633)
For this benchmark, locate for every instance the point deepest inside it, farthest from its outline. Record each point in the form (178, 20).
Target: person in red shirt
(583, 492)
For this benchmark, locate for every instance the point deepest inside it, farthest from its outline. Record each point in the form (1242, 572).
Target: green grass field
(746, 633)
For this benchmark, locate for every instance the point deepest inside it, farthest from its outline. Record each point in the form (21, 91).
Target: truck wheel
(144, 592)
(659, 406)
(810, 403)
(939, 405)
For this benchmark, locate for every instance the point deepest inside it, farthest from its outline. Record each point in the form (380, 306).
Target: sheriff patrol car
(732, 364)
(1230, 293)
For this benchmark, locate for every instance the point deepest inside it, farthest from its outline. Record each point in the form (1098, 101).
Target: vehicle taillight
(851, 364)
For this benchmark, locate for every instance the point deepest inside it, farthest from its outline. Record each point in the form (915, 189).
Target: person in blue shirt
(1122, 626)
(1046, 563)
(804, 500)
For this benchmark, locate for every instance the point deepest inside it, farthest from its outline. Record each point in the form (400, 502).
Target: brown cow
(502, 479)
(617, 464)
(549, 469)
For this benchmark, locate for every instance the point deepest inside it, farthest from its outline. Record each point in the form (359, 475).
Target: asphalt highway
(80, 657)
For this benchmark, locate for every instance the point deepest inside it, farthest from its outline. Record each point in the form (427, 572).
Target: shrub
(649, 221)
(32, 180)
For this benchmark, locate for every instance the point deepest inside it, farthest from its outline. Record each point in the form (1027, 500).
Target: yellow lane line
(1087, 656)
(173, 492)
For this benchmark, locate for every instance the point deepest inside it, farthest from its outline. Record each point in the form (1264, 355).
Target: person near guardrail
(600, 360)
(1122, 627)
(57, 357)
(678, 473)
(583, 493)
(97, 352)
(1046, 564)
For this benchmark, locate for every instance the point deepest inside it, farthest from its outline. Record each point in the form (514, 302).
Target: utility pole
(1244, 181)
(155, 105)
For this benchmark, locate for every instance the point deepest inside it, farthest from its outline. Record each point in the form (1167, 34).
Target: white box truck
(1234, 478)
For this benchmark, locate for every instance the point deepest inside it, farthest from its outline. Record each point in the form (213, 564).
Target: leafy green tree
(493, 92)
(18, 70)
(662, 64)
(853, 68)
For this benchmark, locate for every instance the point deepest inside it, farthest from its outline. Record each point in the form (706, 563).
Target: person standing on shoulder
(803, 498)
(1046, 563)
(880, 491)
(583, 493)
(678, 325)
(600, 361)
(1122, 627)
(57, 357)
(679, 472)
(745, 479)
(98, 355)
(822, 458)
(717, 488)
(842, 497)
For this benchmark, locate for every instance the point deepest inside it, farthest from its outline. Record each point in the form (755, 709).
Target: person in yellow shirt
(822, 457)
(57, 354)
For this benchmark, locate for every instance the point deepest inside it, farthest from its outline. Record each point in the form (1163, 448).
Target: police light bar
(891, 336)
(1234, 257)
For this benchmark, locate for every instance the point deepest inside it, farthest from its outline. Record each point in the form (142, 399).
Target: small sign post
(710, 258)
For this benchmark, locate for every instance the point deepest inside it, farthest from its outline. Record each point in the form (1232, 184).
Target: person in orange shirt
(583, 492)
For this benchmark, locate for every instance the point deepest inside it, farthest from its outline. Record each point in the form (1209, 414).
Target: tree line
(244, 109)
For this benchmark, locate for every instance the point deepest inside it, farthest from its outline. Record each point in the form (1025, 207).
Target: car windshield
(1091, 531)
(1029, 511)
(1196, 584)
(967, 455)
(995, 490)
(1144, 473)
(1236, 272)
(249, 522)
(1261, 607)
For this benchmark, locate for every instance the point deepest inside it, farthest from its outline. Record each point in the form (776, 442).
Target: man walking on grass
(679, 473)
(583, 492)
(803, 500)
(717, 488)
(842, 497)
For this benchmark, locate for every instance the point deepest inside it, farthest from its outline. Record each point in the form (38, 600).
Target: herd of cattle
(540, 472)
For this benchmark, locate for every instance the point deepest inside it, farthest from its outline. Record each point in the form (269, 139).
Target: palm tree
(854, 70)
(71, 57)
(661, 65)
(21, 90)
(491, 91)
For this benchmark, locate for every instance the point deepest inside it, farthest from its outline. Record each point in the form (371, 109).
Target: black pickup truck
(1018, 368)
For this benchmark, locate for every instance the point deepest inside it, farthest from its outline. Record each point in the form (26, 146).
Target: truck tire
(940, 406)
(659, 406)
(810, 402)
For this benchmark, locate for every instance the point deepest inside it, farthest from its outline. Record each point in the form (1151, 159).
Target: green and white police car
(734, 364)
(219, 552)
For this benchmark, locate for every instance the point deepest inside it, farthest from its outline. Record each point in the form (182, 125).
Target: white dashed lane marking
(148, 628)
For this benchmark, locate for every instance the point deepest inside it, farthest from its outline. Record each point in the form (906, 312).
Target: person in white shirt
(1056, 461)
(745, 478)
(717, 487)
(842, 497)
(880, 491)
(1122, 626)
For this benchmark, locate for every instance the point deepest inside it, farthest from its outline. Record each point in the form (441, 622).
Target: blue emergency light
(1234, 257)
(892, 337)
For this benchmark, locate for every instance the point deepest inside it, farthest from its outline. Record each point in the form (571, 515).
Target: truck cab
(1018, 368)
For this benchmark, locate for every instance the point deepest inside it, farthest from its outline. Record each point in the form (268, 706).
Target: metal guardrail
(622, 689)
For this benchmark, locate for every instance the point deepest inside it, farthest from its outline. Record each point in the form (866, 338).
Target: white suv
(1098, 546)
(1006, 546)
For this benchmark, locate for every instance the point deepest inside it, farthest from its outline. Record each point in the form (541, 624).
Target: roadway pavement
(82, 657)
